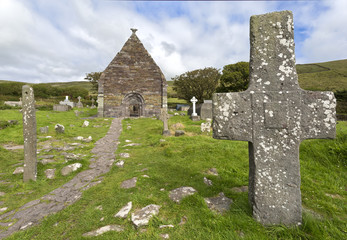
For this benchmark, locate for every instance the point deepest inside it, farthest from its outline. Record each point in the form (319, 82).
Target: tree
(234, 77)
(93, 78)
(200, 83)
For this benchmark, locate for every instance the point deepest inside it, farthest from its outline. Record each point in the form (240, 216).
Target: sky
(61, 40)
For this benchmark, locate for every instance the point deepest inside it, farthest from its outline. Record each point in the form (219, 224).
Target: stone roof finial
(133, 30)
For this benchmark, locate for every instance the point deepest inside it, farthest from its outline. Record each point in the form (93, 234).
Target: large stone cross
(274, 115)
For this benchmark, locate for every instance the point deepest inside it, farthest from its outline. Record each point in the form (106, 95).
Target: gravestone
(194, 115)
(29, 134)
(79, 104)
(93, 101)
(164, 118)
(274, 115)
(61, 108)
(66, 102)
(206, 110)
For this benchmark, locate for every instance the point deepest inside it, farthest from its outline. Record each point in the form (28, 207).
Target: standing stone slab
(274, 115)
(29, 134)
(164, 117)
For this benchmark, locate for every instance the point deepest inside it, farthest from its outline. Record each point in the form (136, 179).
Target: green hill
(323, 76)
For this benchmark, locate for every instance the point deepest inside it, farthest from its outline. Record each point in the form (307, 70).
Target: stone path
(33, 212)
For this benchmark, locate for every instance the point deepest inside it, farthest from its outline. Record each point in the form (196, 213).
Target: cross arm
(232, 116)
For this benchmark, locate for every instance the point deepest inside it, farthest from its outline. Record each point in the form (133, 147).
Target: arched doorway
(133, 105)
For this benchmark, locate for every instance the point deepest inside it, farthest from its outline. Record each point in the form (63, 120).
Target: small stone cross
(274, 115)
(79, 98)
(66, 98)
(194, 101)
(164, 116)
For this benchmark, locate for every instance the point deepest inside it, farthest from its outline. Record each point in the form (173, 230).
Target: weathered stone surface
(33, 212)
(18, 170)
(61, 108)
(46, 161)
(44, 129)
(29, 134)
(124, 155)
(240, 189)
(59, 128)
(274, 115)
(46, 156)
(70, 168)
(132, 84)
(50, 173)
(179, 133)
(208, 182)
(164, 235)
(219, 204)
(212, 171)
(104, 229)
(178, 194)
(132, 144)
(123, 213)
(130, 183)
(120, 164)
(141, 217)
(205, 127)
(206, 110)
(79, 104)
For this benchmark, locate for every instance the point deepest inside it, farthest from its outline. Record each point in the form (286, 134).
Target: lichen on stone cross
(274, 115)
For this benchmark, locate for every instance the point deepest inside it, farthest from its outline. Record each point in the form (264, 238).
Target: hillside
(323, 76)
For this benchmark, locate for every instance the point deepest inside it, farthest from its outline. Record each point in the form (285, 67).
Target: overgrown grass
(183, 161)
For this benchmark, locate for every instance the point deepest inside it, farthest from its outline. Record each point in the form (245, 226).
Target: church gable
(132, 71)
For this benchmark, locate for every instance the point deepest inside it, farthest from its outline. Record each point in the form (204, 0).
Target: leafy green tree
(200, 83)
(234, 77)
(93, 78)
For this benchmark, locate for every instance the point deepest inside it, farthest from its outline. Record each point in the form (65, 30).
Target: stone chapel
(132, 85)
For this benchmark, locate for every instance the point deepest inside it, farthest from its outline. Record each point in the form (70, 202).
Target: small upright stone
(29, 134)
(164, 117)
(79, 104)
(44, 129)
(59, 128)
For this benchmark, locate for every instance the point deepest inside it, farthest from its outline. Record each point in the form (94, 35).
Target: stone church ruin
(132, 85)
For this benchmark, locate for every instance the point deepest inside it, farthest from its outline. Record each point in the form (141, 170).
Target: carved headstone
(274, 115)
(194, 115)
(164, 117)
(29, 134)
(79, 104)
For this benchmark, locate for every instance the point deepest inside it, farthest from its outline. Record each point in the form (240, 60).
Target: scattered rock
(178, 194)
(336, 196)
(124, 155)
(104, 229)
(48, 137)
(97, 126)
(240, 189)
(13, 147)
(47, 156)
(179, 133)
(145, 176)
(59, 128)
(18, 170)
(219, 204)
(2, 194)
(164, 236)
(132, 144)
(99, 208)
(44, 129)
(70, 168)
(208, 182)
(212, 171)
(3, 209)
(50, 173)
(128, 141)
(123, 213)
(130, 183)
(85, 123)
(79, 138)
(166, 226)
(128, 127)
(141, 217)
(162, 189)
(26, 225)
(120, 164)
(88, 140)
(46, 161)
(183, 220)
(162, 140)
(72, 157)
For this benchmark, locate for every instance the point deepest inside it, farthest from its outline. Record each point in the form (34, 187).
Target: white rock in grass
(178, 194)
(3, 209)
(18, 170)
(120, 164)
(85, 123)
(123, 213)
(70, 168)
(141, 217)
(104, 229)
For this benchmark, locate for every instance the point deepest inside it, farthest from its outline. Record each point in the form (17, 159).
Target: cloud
(50, 41)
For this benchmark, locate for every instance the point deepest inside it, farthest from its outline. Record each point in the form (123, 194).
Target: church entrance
(133, 104)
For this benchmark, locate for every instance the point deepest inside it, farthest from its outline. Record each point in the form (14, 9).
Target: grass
(183, 161)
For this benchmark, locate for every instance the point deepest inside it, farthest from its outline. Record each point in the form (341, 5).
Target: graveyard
(130, 170)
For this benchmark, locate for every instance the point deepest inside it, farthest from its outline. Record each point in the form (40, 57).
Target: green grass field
(178, 161)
